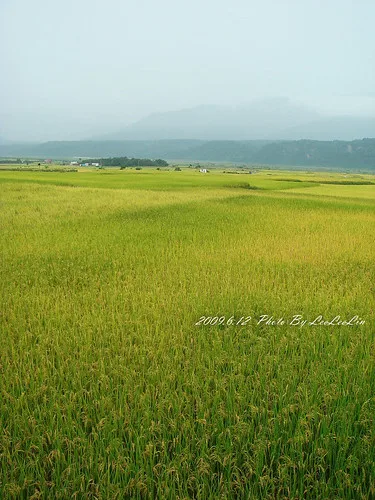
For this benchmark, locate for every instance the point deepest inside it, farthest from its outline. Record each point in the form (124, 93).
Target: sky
(72, 69)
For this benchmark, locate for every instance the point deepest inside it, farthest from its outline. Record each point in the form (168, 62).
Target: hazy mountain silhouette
(264, 119)
(268, 119)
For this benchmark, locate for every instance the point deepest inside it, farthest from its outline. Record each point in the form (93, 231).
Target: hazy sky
(75, 68)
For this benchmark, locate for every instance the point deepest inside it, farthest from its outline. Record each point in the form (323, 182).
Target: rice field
(177, 335)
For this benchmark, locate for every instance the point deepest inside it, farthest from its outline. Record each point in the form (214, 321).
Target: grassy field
(108, 387)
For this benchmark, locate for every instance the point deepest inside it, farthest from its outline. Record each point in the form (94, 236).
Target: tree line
(124, 161)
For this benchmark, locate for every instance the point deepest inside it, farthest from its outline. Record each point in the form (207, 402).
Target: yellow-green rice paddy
(108, 387)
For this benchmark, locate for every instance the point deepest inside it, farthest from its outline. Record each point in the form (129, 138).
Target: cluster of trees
(124, 161)
(9, 162)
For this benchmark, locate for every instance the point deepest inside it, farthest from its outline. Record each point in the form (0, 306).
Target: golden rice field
(109, 389)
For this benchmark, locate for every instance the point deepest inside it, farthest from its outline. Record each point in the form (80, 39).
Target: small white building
(95, 164)
(74, 162)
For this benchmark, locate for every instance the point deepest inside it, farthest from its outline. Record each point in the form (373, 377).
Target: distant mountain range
(269, 119)
(272, 131)
(355, 155)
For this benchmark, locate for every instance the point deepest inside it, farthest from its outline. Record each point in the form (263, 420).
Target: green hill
(358, 154)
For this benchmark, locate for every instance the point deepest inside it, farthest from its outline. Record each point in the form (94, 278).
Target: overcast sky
(75, 68)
